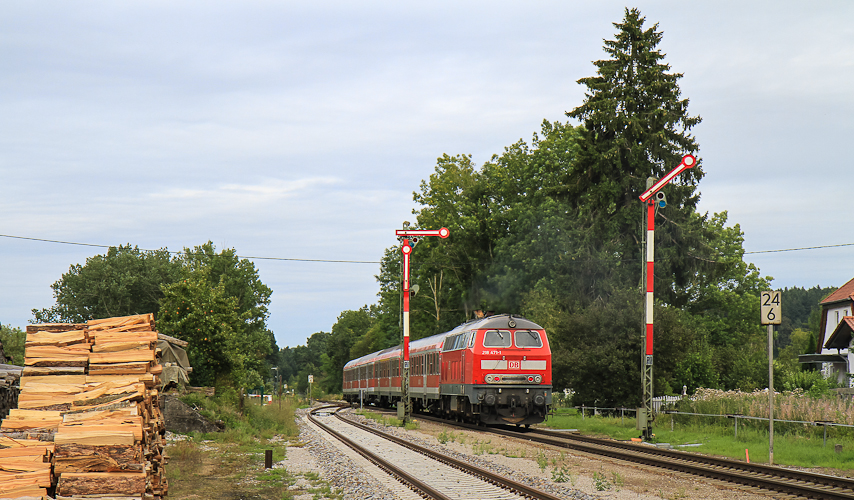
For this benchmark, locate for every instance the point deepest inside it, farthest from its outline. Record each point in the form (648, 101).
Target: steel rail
(466, 467)
(411, 481)
(796, 475)
(782, 480)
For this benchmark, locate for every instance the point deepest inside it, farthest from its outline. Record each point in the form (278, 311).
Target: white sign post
(770, 314)
(310, 381)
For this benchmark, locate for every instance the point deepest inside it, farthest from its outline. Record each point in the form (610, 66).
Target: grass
(229, 465)
(803, 449)
(388, 421)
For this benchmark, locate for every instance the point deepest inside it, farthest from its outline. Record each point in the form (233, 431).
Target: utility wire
(355, 261)
(803, 248)
(181, 253)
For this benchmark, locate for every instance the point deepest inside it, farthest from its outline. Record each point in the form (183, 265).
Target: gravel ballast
(579, 477)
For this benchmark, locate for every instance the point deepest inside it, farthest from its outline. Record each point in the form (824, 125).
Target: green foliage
(552, 229)
(214, 300)
(209, 320)
(349, 339)
(600, 482)
(239, 279)
(801, 313)
(12, 342)
(124, 281)
(812, 382)
(256, 421)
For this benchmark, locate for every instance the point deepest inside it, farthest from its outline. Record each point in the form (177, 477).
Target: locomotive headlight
(538, 379)
(489, 378)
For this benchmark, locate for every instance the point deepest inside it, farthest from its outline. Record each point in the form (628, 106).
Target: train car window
(472, 336)
(528, 339)
(449, 343)
(497, 338)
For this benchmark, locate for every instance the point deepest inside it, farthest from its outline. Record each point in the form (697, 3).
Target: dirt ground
(210, 470)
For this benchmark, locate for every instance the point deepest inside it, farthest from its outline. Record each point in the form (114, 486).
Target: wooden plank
(97, 438)
(120, 321)
(53, 388)
(138, 355)
(52, 379)
(123, 346)
(29, 491)
(52, 370)
(106, 337)
(56, 338)
(145, 378)
(119, 368)
(101, 428)
(39, 478)
(55, 327)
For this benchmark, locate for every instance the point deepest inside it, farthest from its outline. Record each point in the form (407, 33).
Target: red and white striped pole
(406, 250)
(650, 262)
(652, 197)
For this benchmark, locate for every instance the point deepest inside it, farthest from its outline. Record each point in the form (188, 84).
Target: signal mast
(652, 197)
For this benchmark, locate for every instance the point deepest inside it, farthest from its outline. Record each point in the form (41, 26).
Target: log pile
(25, 468)
(9, 376)
(91, 390)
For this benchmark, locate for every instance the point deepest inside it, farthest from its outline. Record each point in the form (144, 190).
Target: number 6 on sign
(770, 308)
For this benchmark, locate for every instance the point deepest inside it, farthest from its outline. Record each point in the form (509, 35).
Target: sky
(300, 130)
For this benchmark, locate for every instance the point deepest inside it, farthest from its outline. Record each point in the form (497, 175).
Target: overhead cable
(181, 253)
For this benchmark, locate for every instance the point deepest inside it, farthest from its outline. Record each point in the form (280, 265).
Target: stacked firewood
(105, 420)
(25, 467)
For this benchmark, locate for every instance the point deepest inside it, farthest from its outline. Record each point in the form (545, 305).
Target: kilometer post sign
(769, 306)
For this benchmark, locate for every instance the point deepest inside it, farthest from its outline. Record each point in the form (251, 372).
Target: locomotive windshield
(497, 338)
(528, 339)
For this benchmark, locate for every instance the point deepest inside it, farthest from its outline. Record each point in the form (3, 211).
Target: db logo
(514, 365)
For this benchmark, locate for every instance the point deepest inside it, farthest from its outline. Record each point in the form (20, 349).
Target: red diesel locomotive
(495, 370)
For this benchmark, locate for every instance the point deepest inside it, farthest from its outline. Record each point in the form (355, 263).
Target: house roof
(845, 292)
(841, 337)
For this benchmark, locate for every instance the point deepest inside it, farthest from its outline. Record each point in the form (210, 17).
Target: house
(834, 352)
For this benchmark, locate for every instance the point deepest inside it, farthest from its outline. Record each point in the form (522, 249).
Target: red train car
(494, 370)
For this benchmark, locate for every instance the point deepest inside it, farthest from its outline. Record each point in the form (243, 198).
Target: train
(492, 370)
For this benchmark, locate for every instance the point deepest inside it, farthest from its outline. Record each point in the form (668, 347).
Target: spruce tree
(635, 125)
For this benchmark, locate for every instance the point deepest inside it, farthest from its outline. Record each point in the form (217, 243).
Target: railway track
(430, 474)
(773, 479)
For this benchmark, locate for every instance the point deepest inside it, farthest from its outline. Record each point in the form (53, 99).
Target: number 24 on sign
(770, 308)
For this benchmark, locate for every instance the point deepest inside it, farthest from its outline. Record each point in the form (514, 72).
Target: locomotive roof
(499, 321)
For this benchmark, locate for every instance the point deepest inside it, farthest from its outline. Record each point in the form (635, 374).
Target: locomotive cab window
(528, 338)
(497, 338)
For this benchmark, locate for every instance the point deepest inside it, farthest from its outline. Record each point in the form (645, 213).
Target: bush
(257, 421)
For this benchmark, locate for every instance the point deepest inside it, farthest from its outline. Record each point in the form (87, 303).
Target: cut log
(39, 478)
(172, 340)
(97, 438)
(57, 339)
(101, 483)
(57, 362)
(120, 368)
(25, 492)
(146, 378)
(53, 370)
(53, 379)
(122, 346)
(83, 458)
(136, 355)
(55, 327)
(120, 320)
